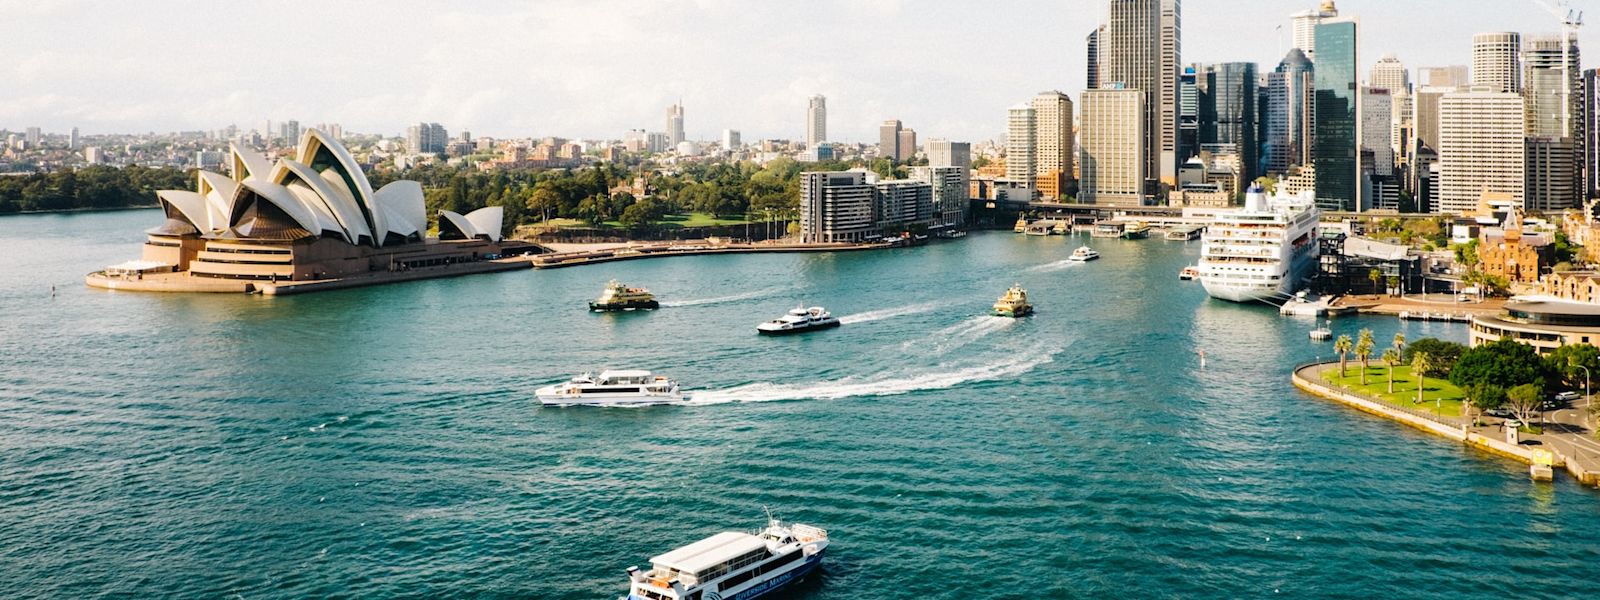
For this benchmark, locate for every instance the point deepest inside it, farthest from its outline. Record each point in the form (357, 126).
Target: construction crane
(1571, 20)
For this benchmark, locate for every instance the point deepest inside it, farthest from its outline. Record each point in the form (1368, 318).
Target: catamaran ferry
(612, 388)
(1263, 251)
(732, 565)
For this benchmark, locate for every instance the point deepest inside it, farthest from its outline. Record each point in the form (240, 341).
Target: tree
(1467, 254)
(1364, 347)
(1444, 354)
(1399, 341)
(1486, 396)
(1420, 364)
(1376, 276)
(1566, 364)
(1394, 283)
(545, 199)
(1503, 362)
(1391, 357)
(1524, 400)
(1343, 345)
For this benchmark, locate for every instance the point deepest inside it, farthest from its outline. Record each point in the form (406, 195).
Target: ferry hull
(607, 400)
(621, 306)
(797, 330)
(771, 585)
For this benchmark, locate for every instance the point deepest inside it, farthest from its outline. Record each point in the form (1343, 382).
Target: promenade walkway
(1569, 433)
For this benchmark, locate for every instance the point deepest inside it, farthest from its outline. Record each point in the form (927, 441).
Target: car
(1498, 412)
(1566, 397)
(1551, 405)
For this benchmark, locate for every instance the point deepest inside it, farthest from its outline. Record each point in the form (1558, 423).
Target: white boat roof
(709, 552)
(617, 374)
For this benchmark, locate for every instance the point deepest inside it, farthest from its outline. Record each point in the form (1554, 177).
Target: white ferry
(1263, 251)
(731, 565)
(1084, 254)
(799, 320)
(612, 388)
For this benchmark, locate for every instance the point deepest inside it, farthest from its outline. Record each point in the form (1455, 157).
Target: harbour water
(384, 442)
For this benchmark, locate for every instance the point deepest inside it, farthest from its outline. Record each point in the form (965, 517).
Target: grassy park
(1440, 397)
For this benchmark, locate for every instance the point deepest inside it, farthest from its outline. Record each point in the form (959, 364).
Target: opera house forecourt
(311, 221)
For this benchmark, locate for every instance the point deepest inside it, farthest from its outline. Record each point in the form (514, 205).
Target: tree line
(93, 187)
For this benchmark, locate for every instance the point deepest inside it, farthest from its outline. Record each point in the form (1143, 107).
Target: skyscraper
(1287, 141)
(1021, 143)
(72, 139)
(426, 138)
(1495, 61)
(1230, 104)
(1111, 153)
(35, 137)
(816, 121)
(730, 140)
(945, 153)
(1390, 74)
(1188, 113)
(1554, 122)
(1303, 27)
(1591, 131)
(1094, 42)
(1336, 141)
(1140, 50)
(675, 124)
(1053, 151)
(889, 139)
(1480, 148)
(906, 149)
(1377, 107)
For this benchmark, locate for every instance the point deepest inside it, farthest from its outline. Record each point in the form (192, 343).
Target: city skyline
(524, 75)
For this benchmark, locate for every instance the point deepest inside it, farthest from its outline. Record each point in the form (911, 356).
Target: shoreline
(1551, 457)
(73, 211)
(561, 260)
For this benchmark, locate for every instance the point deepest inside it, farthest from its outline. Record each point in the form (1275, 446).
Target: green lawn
(1439, 395)
(680, 221)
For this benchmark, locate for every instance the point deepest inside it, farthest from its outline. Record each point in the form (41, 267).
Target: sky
(597, 68)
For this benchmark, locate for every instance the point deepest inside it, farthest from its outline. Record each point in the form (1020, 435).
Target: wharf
(640, 251)
(1434, 307)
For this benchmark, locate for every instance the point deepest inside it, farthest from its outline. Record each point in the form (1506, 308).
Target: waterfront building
(1481, 149)
(900, 204)
(1228, 112)
(836, 206)
(1337, 137)
(1287, 141)
(816, 121)
(1141, 50)
(1544, 322)
(957, 156)
(1495, 61)
(313, 215)
(675, 124)
(948, 189)
(1052, 138)
(1551, 79)
(1112, 156)
(1021, 143)
(1303, 27)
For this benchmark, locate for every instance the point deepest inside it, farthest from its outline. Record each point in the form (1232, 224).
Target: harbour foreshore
(183, 282)
(1582, 469)
(557, 260)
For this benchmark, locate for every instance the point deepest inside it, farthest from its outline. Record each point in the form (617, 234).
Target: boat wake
(722, 299)
(1060, 265)
(960, 334)
(888, 313)
(940, 378)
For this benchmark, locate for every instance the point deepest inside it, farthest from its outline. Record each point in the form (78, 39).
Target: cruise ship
(1263, 251)
(732, 565)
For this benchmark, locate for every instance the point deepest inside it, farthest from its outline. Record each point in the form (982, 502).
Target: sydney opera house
(312, 217)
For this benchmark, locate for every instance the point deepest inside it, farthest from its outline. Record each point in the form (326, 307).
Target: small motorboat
(1084, 254)
(799, 320)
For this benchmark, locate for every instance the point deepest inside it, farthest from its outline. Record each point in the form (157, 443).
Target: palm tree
(1376, 276)
(1400, 342)
(1342, 346)
(1364, 347)
(1391, 357)
(1420, 363)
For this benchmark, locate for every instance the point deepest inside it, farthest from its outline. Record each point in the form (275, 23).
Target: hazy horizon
(595, 69)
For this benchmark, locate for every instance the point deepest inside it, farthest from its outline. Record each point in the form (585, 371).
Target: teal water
(384, 442)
